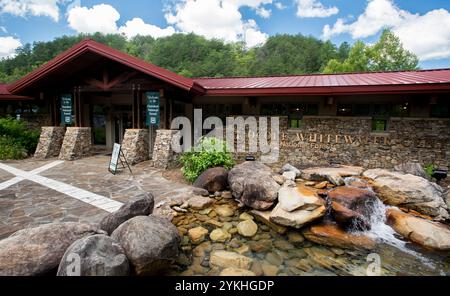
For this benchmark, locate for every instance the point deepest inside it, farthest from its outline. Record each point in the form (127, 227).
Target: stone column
(135, 145)
(163, 155)
(50, 142)
(77, 143)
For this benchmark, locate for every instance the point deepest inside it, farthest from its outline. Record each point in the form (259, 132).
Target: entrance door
(99, 115)
(122, 122)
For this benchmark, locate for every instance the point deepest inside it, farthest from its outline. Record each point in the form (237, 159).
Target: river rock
(224, 211)
(297, 218)
(225, 259)
(269, 269)
(197, 234)
(274, 258)
(333, 236)
(295, 237)
(247, 228)
(99, 255)
(143, 206)
(200, 191)
(236, 272)
(261, 246)
(355, 199)
(349, 219)
(252, 183)
(289, 176)
(200, 202)
(151, 243)
(410, 192)
(411, 168)
(38, 251)
(423, 232)
(293, 198)
(279, 179)
(290, 168)
(264, 217)
(219, 235)
(333, 175)
(213, 180)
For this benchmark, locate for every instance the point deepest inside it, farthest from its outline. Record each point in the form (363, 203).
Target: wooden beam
(106, 84)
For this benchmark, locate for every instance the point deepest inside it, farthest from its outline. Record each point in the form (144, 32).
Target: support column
(50, 142)
(135, 145)
(77, 143)
(163, 155)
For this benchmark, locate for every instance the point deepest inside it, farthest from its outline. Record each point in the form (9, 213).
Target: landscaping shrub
(209, 153)
(16, 140)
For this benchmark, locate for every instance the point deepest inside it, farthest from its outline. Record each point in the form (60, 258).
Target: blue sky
(423, 26)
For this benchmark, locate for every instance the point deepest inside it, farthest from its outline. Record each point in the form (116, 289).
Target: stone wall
(135, 145)
(163, 155)
(50, 142)
(77, 143)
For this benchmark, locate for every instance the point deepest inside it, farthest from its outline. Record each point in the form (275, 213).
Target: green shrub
(429, 170)
(16, 135)
(210, 153)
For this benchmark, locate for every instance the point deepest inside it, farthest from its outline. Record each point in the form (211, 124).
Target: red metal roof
(6, 95)
(108, 52)
(424, 80)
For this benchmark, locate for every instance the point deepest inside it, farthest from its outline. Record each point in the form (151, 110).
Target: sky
(422, 26)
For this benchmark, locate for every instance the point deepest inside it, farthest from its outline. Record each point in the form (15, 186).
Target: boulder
(297, 218)
(200, 191)
(279, 179)
(411, 168)
(200, 202)
(293, 198)
(197, 234)
(333, 175)
(252, 183)
(142, 206)
(290, 168)
(213, 180)
(289, 176)
(225, 259)
(429, 234)
(349, 219)
(264, 217)
(151, 243)
(236, 272)
(355, 199)
(38, 251)
(333, 236)
(410, 192)
(99, 255)
(247, 228)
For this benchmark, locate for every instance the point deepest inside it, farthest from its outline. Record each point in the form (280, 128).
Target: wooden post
(139, 107)
(80, 109)
(75, 105)
(134, 106)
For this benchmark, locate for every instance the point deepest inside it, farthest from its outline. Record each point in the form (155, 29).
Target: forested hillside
(194, 56)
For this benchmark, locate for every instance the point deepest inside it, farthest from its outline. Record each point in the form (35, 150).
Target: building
(102, 95)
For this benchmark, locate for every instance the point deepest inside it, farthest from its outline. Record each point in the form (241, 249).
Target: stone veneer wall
(163, 155)
(135, 145)
(77, 143)
(50, 142)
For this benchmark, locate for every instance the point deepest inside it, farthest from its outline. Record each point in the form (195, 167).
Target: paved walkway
(38, 192)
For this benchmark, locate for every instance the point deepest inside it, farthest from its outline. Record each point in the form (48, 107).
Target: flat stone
(333, 175)
(274, 258)
(261, 246)
(269, 269)
(295, 237)
(200, 202)
(264, 217)
(247, 228)
(245, 216)
(219, 235)
(297, 218)
(224, 211)
(225, 259)
(236, 272)
(283, 245)
(293, 198)
(197, 234)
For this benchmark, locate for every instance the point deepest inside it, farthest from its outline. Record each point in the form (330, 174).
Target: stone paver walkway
(29, 203)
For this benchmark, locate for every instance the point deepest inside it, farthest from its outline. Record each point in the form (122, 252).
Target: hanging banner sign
(153, 111)
(66, 109)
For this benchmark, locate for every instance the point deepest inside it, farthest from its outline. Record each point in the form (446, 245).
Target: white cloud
(103, 18)
(8, 46)
(219, 19)
(23, 8)
(137, 26)
(3, 29)
(100, 18)
(263, 12)
(314, 8)
(426, 35)
(279, 5)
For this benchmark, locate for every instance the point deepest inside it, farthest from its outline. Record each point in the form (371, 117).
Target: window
(345, 110)
(274, 110)
(379, 125)
(440, 110)
(400, 110)
(297, 111)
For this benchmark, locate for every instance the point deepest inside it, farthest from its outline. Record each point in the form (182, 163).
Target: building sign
(66, 109)
(153, 111)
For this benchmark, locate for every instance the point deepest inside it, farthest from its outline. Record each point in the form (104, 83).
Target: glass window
(362, 110)
(273, 110)
(400, 110)
(440, 110)
(379, 125)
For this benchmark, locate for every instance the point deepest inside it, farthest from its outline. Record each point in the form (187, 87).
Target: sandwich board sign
(116, 157)
(66, 109)
(153, 112)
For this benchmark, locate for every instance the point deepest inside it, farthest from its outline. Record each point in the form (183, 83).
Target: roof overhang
(86, 46)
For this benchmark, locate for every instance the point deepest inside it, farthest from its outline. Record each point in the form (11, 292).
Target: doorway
(123, 120)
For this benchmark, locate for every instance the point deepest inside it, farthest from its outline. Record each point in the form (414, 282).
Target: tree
(387, 54)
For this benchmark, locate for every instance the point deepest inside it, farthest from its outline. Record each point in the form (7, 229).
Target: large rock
(411, 168)
(252, 183)
(151, 243)
(200, 202)
(410, 192)
(213, 180)
(348, 219)
(225, 259)
(333, 175)
(331, 235)
(98, 255)
(38, 251)
(426, 233)
(143, 206)
(264, 217)
(297, 218)
(355, 199)
(291, 198)
(290, 168)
